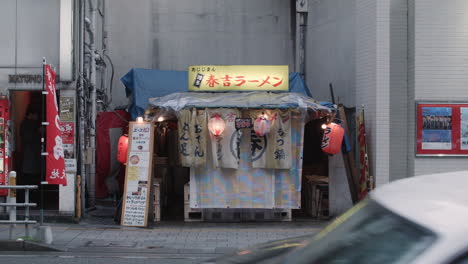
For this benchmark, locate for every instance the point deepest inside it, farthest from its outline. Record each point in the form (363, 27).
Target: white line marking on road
(133, 257)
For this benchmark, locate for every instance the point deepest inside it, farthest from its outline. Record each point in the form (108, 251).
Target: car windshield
(367, 233)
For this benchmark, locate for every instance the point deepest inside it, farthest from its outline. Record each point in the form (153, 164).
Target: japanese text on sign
(137, 175)
(238, 78)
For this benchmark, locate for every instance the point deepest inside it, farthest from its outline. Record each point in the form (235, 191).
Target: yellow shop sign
(238, 78)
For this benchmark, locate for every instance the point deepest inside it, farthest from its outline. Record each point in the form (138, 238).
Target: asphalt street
(100, 258)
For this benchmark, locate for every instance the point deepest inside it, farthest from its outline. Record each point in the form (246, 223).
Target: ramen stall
(237, 155)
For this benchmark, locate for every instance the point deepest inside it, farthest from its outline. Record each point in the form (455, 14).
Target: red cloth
(55, 162)
(104, 122)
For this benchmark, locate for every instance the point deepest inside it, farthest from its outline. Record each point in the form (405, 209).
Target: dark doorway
(314, 173)
(26, 110)
(168, 172)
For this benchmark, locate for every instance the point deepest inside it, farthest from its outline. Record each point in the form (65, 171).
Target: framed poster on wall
(441, 129)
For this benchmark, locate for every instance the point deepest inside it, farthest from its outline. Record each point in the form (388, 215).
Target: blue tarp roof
(142, 84)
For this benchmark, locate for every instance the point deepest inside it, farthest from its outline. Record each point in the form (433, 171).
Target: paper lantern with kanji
(262, 126)
(122, 149)
(216, 125)
(332, 138)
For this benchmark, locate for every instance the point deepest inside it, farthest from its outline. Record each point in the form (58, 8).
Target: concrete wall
(170, 35)
(440, 65)
(366, 70)
(411, 128)
(330, 54)
(382, 84)
(29, 32)
(398, 93)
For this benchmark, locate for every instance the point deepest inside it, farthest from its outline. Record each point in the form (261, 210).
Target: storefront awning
(178, 101)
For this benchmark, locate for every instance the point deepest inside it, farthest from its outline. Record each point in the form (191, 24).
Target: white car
(420, 220)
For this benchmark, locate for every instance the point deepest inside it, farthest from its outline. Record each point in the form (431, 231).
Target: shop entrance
(168, 172)
(314, 195)
(26, 111)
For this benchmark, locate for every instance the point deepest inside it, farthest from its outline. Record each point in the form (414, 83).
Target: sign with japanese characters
(192, 137)
(225, 148)
(272, 151)
(68, 140)
(67, 109)
(238, 78)
(138, 175)
(55, 163)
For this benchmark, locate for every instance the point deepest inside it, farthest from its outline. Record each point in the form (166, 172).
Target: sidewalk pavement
(169, 238)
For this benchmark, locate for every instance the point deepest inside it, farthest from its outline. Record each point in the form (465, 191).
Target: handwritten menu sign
(137, 175)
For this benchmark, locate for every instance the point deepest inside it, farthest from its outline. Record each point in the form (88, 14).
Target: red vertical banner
(4, 116)
(55, 162)
(363, 157)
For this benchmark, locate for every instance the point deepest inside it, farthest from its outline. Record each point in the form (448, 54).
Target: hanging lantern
(216, 125)
(332, 138)
(262, 125)
(122, 149)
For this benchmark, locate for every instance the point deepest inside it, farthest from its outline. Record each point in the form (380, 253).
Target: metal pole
(12, 199)
(26, 216)
(43, 146)
(301, 27)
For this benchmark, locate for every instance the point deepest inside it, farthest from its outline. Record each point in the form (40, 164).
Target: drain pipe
(92, 84)
(301, 27)
(82, 115)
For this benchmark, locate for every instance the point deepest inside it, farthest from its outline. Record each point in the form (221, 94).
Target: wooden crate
(191, 214)
(156, 213)
(156, 202)
(156, 193)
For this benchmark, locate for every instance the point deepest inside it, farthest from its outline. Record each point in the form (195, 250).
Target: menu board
(137, 175)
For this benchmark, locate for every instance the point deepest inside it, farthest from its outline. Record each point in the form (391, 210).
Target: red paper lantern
(216, 125)
(122, 149)
(332, 138)
(262, 126)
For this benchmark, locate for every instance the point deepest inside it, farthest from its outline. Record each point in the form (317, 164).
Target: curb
(8, 245)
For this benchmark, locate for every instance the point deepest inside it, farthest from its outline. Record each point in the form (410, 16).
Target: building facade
(381, 56)
(32, 31)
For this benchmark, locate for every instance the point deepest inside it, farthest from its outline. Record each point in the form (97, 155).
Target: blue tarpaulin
(142, 84)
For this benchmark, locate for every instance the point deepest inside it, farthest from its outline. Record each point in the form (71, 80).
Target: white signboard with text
(138, 175)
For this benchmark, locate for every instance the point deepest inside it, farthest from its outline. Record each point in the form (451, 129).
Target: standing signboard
(138, 175)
